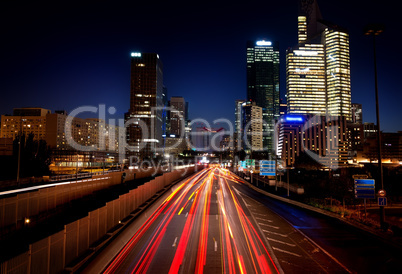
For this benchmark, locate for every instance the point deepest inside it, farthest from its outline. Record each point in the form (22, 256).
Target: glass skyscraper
(318, 68)
(145, 129)
(263, 84)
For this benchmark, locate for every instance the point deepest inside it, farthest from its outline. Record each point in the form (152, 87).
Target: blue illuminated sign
(364, 189)
(267, 168)
(294, 118)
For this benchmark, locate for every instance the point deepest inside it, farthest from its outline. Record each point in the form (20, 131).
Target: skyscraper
(177, 116)
(238, 125)
(263, 84)
(145, 123)
(252, 124)
(318, 68)
(357, 114)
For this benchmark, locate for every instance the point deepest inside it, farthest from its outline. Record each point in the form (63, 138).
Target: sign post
(365, 189)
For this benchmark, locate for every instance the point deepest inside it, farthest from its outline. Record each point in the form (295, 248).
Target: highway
(214, 223)
(200, 227)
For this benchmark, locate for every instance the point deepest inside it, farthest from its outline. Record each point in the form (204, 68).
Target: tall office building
(324, 138)
(177, 116)
(145, 116)
(356, 132)
(252, 123)
(238, 125)
(357, 114)
(318, 68)
(263, 84)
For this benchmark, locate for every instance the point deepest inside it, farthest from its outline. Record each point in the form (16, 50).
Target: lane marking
(186, 214)
(174, 243)
(287, 252)
(323, 250)
(261, 219)
(264, 215)
(279, 234)
(215, 244)
(280, 242)
(276, 227)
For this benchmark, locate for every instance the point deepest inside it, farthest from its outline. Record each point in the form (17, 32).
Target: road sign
(250, 162)
(382, 201)
(365, 189)
(360, 176)
(242, 165)
(267, 168)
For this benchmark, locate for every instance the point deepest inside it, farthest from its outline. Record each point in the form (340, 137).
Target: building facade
(323, 138)
(88, 142)
(144, 119)
(318, 68)
(238, 125)
(177, 116)
(263, 84)
(25, 121)
(355, 133)
(252, 122)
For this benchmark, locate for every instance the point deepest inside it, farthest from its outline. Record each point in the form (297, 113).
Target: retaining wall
(52, 254)
(14, 210)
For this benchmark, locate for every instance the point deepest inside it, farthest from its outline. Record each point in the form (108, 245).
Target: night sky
(63, 56)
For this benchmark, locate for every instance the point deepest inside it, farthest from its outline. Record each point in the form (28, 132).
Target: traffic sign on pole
(382, 201)
(364, 189)
(267, 168)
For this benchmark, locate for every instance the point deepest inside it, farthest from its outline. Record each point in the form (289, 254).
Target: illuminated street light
(375, 30)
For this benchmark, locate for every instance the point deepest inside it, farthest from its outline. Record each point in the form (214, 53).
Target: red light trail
(207, 220)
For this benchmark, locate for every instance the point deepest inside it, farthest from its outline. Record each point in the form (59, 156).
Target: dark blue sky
(63, 56)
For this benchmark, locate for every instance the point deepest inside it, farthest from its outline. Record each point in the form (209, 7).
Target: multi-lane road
(214, 223)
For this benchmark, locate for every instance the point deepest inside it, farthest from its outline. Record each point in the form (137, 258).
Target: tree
(34, 156)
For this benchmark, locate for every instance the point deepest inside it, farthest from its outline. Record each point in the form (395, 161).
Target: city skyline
(85, 59)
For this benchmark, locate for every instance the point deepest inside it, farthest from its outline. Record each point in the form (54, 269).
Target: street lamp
(375, 30)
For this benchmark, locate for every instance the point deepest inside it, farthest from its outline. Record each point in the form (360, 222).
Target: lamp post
(19, 152)
(375, 30)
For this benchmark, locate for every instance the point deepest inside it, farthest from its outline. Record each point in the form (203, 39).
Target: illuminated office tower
(302, 29)
(177, 116)
(318, 68)
(305, 79)
(338, 72)
(144, 118)
(252, 123)
(263, 84)
(238, 125)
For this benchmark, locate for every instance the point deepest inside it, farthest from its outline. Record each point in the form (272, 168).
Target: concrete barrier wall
(54, 253)
(14, 210)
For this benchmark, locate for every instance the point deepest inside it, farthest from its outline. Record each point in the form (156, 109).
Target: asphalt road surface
(214, 223)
